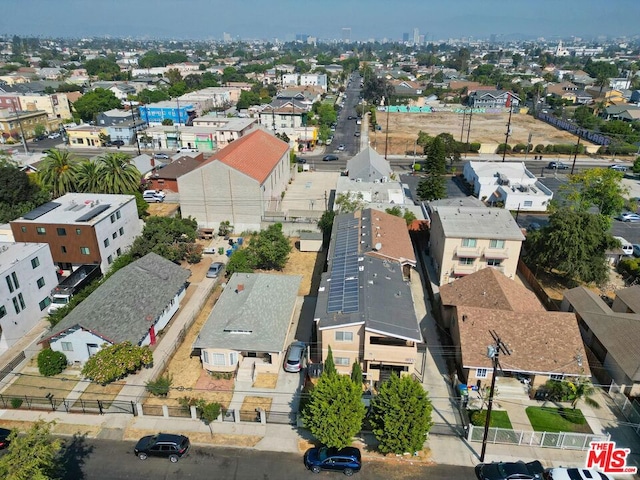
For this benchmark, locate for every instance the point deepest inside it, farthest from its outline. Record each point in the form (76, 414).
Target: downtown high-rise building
(416, 36)
(346, 34)
(405, 37)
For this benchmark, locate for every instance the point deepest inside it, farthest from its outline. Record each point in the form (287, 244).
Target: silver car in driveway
(295, 355)
(215, 269)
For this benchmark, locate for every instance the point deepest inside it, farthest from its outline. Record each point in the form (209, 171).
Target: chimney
(240, 288)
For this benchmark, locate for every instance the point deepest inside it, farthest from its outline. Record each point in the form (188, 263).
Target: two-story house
(365, 310)
(82, 228)
(493, 99)
(28, 276)
(464, 240)
(509, 184)
(544, 345)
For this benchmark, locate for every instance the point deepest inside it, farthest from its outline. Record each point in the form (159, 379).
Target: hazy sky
(282, 19)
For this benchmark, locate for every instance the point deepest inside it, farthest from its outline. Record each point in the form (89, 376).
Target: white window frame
(469, 242)
(556, 376)
(342, 336)
(218, 360)
(497, 244)
(482, 372)
(66, 346)
(233, 358)
(342, 361)
(205, 356)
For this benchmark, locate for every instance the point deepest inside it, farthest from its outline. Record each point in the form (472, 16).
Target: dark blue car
(346, 460)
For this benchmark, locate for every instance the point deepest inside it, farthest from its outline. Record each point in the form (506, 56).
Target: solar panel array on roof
(93, 213)
(345, 281)
(41, 210)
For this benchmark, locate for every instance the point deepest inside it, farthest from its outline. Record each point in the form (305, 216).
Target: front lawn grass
(499, 418)
(547, 419)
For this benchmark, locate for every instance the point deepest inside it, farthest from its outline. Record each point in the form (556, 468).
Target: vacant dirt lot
(485, 128)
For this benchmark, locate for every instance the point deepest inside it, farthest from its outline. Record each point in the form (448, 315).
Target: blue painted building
(154, 113)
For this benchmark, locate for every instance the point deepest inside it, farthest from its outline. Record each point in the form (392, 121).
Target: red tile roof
(255, 154)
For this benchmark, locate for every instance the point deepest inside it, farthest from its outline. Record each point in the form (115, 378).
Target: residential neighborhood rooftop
(125, 306)
(478, 222)
(253, 313)
(76, 208)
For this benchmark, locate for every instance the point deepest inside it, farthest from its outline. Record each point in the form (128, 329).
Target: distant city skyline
(283, 19)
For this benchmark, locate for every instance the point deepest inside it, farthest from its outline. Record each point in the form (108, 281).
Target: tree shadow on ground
(73, 456)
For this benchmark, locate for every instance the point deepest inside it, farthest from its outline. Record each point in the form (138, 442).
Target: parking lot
(309, 190)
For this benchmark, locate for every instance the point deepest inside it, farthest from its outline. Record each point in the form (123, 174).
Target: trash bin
(229, 252)
(240, 240)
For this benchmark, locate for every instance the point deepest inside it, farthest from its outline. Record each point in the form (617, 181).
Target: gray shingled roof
(619, 333)
(118, 310)
(253, 317)
(385, 303)
(368, 165)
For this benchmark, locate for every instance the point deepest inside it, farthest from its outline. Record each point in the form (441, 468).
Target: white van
(627, 247)
(156, 196)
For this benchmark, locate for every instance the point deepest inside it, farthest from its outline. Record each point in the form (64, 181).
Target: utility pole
(24, 140)
(386, 136)
(466, 150)
(526, 152)
(506, 137)
(135, 129)
(493, 352)
(575, 155)
(464, 116)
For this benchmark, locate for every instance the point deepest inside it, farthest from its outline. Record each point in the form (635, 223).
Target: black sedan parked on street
(510, 471)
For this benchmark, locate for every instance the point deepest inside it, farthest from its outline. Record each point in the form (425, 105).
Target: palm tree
(117, 174)
(57, 172)
(582, 390)
(87, 177)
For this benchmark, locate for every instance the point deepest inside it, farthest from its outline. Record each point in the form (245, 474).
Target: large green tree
(57, 172)
(104, 69)
(32, 455)
(573, 243)
(117, 174)
(597, 187)
(401, 415)
(171, 238)
(270, 248)
(335, 410)
(18, 192)
(433, 186)
(94, 102)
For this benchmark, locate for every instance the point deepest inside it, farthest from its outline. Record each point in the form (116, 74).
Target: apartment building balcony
(459, 270)
(468, 252)
(496, 253)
